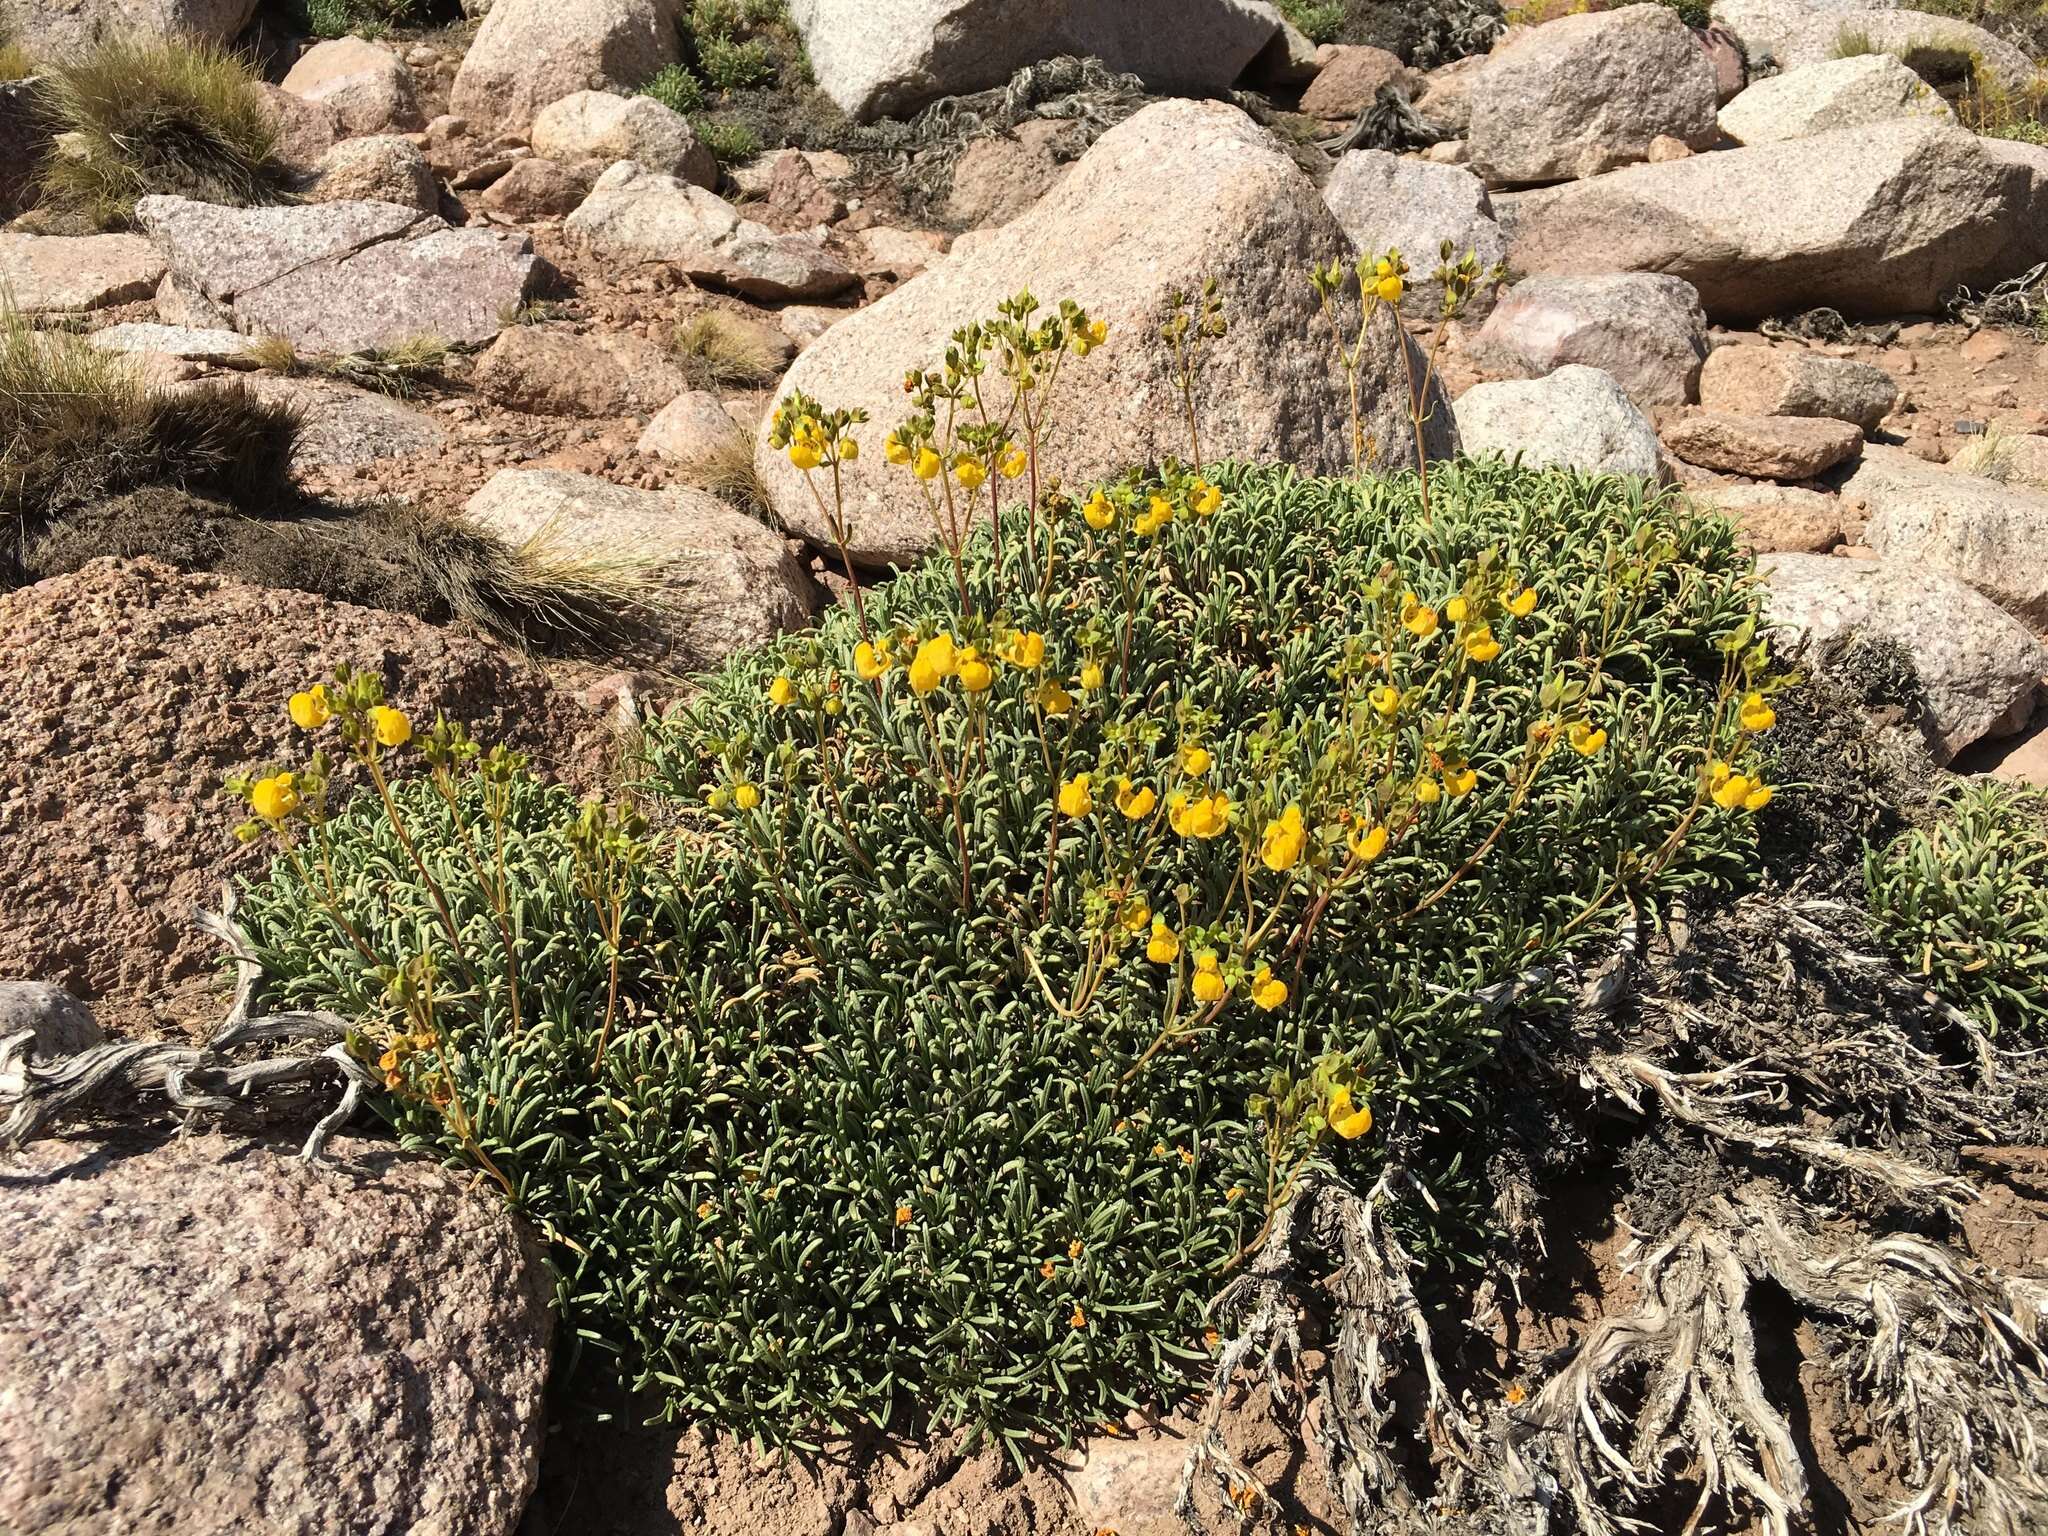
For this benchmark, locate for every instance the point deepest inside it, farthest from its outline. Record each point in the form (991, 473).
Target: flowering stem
(440, 897)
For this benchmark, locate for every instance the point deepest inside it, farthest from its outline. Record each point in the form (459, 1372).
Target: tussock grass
(154, 115)
(15, 64)
(714, 349)
(78, 425)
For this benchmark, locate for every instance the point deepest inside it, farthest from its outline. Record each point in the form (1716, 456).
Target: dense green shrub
(158, 115)
(864, 1080)
(1964, 903)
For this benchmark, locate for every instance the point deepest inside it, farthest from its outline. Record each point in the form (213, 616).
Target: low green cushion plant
(876, 1059)
(1964, 903)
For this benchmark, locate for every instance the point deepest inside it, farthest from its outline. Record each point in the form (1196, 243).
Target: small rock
(1350, 80)
(1978, 667)
(729, 581)
(534, 189)
(366, 85)
(342, 426)
(1841, 93)
(59, 1024)
(1665, 148)
(1769, 447)
(1574, 418)
(1773, 519)
(379, 169)
(242, 1314)
(529, 53)
(597, 125)
(191, 344)
(805, 323)
(1985, 347)
(1931, 518)
(305, 129)
(1786, 381)
(689, 429)
(637, 215)
(1586, 93)
(1446, 99)
(798, 196)
(559, 373)
(1644, 330)
(41, 274)
(899, 252)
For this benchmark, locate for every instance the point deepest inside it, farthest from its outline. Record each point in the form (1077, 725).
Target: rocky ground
(1741, 259)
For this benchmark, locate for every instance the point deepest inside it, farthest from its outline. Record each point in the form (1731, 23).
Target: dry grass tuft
(154, 115)
(728, 472)
(400, 370)
(714, 349)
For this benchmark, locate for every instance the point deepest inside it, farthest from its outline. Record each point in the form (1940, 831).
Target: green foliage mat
(816, 1140)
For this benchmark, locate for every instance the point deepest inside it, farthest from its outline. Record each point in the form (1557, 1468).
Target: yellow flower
(310, 710)
(1586, 739)
(1390, 288)
(1368, 842)
(1204, 498)
(1075, 799)
(895, 450)
(781, 692)
(1758, 797)
(934, 662)
(1385, 700)
(1014, 462)
(1091, 675)
(1194, 761)
(1523, 603)
(849, 450)
(274, 798)
(1135, 803)
(704, 1209)
(1047, 1270)
(1052, 698)
(1733, 791)
(1074, 1249)
(1136, 913)
(1098, 511)
(1460, 779)
(869, 662)
(1205, 816)
(1347, 1119)
(1480, 644)
(1285, 838)
(1457, 610)
(1208, 984)
(1268, 991)
(1098, 331)
(970, 472)
(1211, 1340)
(1163, 948)
(390, 726)
(902, 1215)
(928, 465)
(803, 453)
(1024, 648)
(1079, 1319)
(1419, 619)
(975, 674)
(1157, 514)
(1757, 714)
(1427, 790)
(745, 795)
